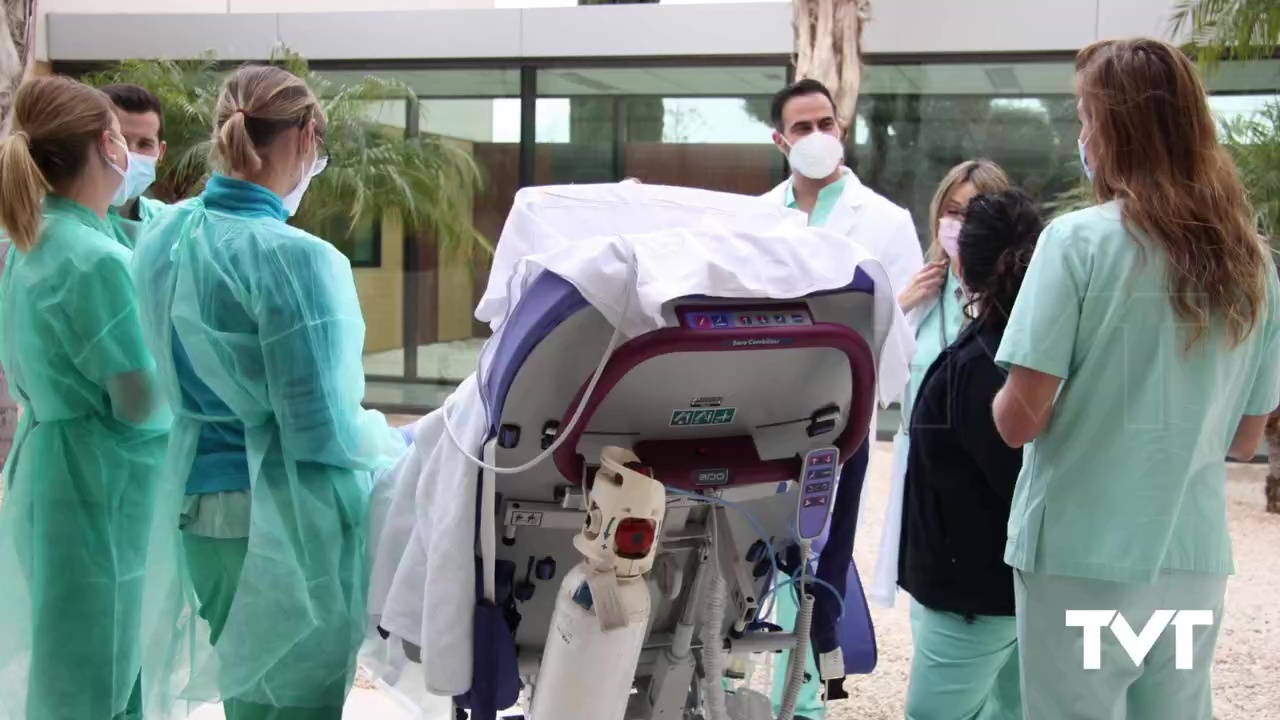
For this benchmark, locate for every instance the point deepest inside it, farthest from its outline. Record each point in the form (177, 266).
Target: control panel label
(729, 319)
(712, 477)
(703, 417)
(525, 519)
(760, 342)
(706, 402)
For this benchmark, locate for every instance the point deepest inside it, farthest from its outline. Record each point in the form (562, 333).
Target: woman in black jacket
(960, 479)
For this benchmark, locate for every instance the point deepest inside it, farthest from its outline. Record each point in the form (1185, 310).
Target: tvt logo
(1138, 645)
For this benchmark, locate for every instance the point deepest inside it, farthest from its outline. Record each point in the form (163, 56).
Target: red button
(634, 538)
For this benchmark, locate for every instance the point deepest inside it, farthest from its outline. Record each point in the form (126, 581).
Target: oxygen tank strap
(607, 601)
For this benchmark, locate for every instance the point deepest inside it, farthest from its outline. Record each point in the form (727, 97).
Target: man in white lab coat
(807, 131)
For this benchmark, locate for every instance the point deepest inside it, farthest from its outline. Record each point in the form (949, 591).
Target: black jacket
(959, 484)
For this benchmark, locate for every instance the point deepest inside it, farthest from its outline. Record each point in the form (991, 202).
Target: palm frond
(374, 170)
(1235, 29)
(1254, 143)
(1077, 198)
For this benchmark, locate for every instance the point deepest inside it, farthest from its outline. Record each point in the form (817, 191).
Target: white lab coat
(871, 220)
(888, 233)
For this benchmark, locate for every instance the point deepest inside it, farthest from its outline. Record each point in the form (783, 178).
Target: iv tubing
(563, 434)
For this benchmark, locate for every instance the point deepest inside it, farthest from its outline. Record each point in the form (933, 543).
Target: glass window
(696, 126)
(915, 122)
(361, 242)
(418, 304)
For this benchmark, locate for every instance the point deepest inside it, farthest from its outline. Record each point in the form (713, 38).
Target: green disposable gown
(82, 476)
(127, 229)
(268, 622)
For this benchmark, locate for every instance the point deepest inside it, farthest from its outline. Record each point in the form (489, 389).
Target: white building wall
(400, 29)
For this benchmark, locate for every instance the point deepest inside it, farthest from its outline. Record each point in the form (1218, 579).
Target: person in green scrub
(960, 480)
(1144, 349)
(260, 574)
(808, 132)
(934, 302)
(142, 122)
(81, 479)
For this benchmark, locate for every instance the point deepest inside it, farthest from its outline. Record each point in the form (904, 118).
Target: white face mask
(293, 200)
(816, 155)
(121, 195)
(140, 175)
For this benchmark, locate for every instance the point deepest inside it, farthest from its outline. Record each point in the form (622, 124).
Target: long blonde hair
(986, 176)
(1154, 147)
(56, 121)
(259, 102)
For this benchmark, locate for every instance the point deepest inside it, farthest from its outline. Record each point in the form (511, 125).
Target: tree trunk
(829, 47)
(1273, 463)
(17, 48)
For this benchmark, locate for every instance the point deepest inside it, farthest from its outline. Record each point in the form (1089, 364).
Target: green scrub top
(828, 197)
(81, 479)
(939, 328)
(1129, 477)
(127, 229)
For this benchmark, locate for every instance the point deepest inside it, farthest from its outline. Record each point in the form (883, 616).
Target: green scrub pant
(1054, 683)
(962, 670)
(215, 573)
(809, 704)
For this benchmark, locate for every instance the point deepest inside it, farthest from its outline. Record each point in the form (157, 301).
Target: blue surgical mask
(121, 193)
(1084, 160)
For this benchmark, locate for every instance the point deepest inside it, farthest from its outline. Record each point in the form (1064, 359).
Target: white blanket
(652, 245)
(422, 520)
(681, 242)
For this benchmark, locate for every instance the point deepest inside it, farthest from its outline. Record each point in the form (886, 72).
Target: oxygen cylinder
(587, 670)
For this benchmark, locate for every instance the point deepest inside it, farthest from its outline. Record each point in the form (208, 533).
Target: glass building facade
(697, 122)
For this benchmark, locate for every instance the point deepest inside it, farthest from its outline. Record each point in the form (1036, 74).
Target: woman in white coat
(934, 304)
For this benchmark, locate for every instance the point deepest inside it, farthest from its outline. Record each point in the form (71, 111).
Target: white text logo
(1137, 645)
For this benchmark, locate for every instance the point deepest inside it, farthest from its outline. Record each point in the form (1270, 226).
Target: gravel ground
(1247, 668)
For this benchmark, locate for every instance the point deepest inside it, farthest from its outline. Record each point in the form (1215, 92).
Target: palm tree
(1234, 29)
(374, 170)
(1255, 144)
(1245, 30)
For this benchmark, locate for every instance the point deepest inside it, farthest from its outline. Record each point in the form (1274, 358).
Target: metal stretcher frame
(550, 301)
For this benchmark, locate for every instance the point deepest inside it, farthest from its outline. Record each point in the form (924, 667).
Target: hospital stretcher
(719, 409)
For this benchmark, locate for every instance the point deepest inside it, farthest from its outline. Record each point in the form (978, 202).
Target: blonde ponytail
(56, 120)
(259, 102)
(234, 145)
(22, 191)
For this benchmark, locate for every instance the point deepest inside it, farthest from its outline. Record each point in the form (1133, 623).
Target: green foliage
(374, 170)
(1254, 142)
(1077, 198)
(1236, 29)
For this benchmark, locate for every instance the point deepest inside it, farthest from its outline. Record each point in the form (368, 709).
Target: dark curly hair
(996, 242)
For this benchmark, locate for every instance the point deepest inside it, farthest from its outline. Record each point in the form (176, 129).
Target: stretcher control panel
(741, 318)
(817, 487)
